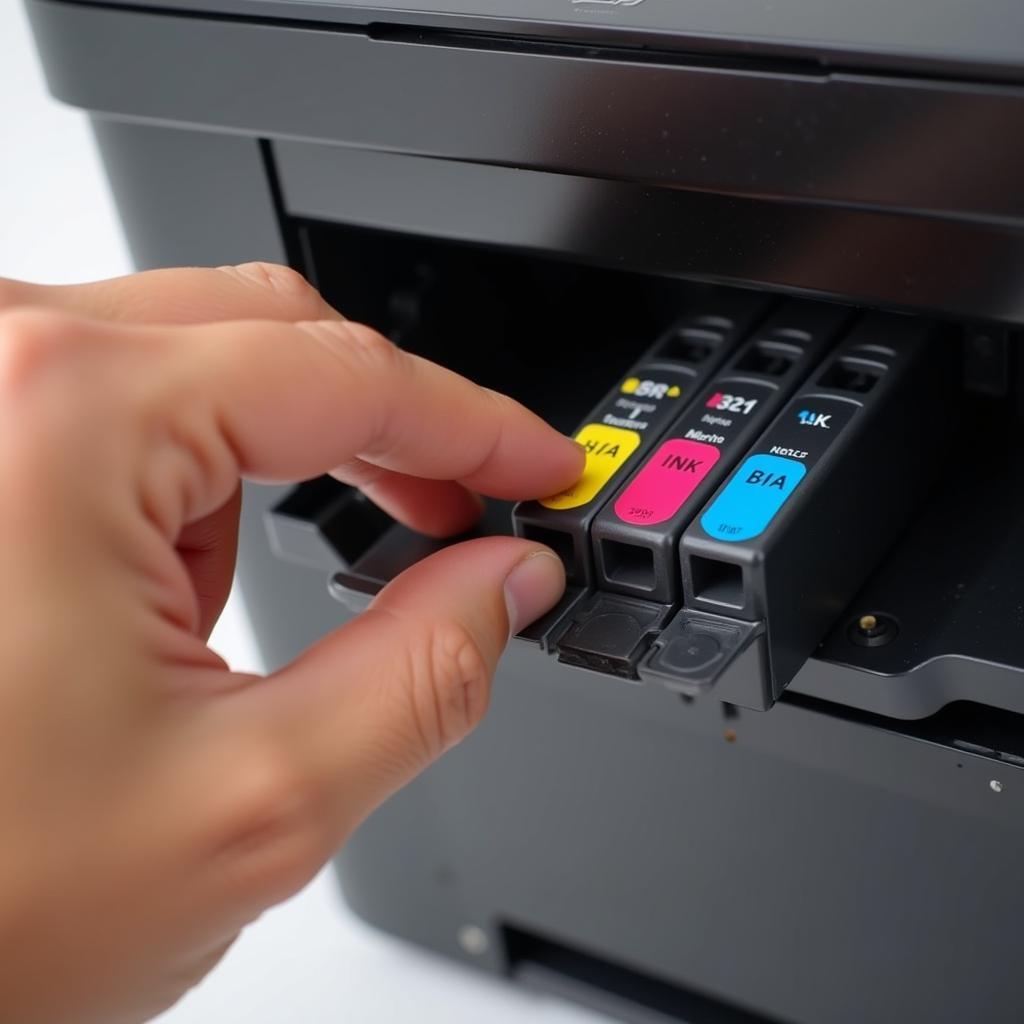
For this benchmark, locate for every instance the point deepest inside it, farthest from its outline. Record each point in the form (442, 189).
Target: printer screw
(872, 630)
(473, 939)
(996, 786)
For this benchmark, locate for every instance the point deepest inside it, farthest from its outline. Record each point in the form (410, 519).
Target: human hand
(152, 802)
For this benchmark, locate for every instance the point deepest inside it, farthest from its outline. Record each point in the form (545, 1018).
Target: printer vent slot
(610, 987)
(736, 57)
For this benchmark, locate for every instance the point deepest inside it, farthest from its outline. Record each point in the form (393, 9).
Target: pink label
(670, 476)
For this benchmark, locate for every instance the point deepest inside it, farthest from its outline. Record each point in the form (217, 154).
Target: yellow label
(607, 449)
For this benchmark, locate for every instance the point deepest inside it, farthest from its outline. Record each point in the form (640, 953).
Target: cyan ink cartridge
(631, 417)
(636, 535)
(791, 535)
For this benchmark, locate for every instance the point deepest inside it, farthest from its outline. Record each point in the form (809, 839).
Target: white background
(309, 960)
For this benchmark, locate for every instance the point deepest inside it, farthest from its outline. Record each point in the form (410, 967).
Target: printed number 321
(733, 403)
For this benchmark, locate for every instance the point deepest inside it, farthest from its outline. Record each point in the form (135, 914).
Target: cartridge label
(608, 448)
(646, 398)
(763, 483)
(758, 489)
(641, 404)
(663, 485)
(711, 427)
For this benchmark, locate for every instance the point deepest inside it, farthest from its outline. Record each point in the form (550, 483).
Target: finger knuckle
(361, 353)
(277, 278)
(501, 402)
(371, 347)
(32, 343)
(450, 686)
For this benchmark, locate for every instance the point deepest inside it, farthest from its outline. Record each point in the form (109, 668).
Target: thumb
(365, 710)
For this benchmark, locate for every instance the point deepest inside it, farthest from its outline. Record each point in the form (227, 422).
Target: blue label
(758, 489)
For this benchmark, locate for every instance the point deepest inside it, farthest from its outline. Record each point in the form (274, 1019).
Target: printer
(765, 762)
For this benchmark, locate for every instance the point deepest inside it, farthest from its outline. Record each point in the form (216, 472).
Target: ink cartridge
(636, 535)
(625, 424)
(792, 533)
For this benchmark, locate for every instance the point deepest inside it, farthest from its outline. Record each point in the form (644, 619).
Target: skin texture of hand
(152, 802)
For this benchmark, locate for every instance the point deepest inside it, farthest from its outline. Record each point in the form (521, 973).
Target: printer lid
(983, 36)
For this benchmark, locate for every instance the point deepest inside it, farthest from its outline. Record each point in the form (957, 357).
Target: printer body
(533, 193)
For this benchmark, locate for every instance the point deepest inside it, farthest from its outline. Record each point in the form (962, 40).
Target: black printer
(765, 762)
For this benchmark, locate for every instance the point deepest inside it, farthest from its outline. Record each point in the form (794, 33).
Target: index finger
(295, 401)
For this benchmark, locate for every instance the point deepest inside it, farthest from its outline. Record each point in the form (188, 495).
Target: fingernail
(532, 588)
